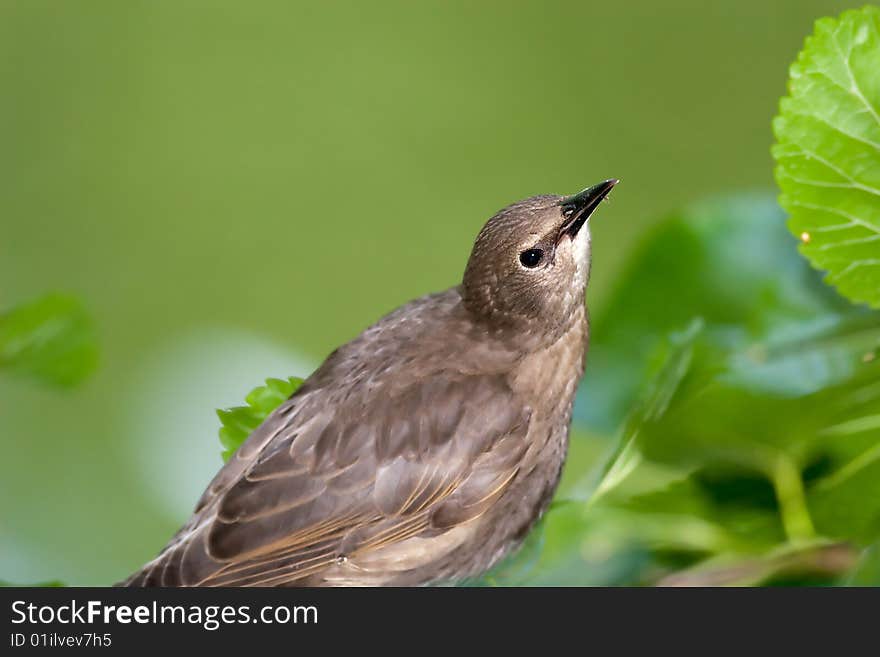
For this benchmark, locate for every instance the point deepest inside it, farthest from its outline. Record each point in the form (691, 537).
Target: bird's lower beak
(578, 208)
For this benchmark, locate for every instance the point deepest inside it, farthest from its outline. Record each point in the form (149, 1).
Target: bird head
(530, 264)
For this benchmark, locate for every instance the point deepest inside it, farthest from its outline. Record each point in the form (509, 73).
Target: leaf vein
(841, 213)
(851, 242)
(855, 89)
(838, 185)
(838, 129)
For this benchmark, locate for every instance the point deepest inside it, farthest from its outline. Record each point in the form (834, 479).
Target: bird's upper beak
(578, 208)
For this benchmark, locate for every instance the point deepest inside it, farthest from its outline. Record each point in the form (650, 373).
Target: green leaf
(757, 431)
(844, 496)
(672, 363)
(238, 422)
(831, 433)
(730, 262)
(828, 151)
(51, 339)
(740, 505)
(589, 546)
(867, 571)
(815, 563)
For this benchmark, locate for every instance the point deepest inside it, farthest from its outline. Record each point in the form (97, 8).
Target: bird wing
(329, 485)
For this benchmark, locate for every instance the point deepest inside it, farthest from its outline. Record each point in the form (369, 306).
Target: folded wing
(352, 490)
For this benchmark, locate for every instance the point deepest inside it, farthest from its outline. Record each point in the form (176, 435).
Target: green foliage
(239, 421)
(729, 261)
(730, 420)
(867, 570)
(677, 356)
(828, 151)
(753, 442)
(51, 339)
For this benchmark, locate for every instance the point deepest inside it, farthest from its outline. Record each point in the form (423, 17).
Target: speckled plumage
(424, 449)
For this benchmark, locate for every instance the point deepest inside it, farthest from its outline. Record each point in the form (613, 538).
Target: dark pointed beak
(578, 208)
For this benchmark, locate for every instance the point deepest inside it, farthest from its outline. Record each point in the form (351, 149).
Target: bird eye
(531, 258)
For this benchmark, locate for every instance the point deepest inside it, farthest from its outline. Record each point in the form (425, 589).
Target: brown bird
(423, 450)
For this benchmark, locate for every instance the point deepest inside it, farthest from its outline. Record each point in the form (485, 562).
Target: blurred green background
(236, 188)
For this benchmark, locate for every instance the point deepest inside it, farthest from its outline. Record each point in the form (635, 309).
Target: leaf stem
(792, 500)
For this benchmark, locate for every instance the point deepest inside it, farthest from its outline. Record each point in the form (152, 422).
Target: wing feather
(320, 487)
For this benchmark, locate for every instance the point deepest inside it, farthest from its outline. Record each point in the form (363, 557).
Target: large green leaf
(828, 151)
(733, 410)
(51, 339)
